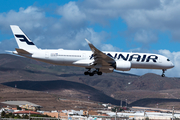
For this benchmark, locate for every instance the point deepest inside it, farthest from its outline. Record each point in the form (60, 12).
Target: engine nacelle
(123, 65)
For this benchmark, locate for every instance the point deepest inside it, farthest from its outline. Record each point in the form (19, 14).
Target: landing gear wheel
(163, 75)
(91, 74)
(86, 73)
(99, 73)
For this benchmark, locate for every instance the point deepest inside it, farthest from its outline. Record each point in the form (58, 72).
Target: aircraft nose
(171, 65)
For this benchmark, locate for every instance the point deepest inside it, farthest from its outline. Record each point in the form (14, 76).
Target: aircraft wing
(100, 58)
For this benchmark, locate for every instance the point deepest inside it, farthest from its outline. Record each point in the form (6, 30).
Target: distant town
(27, 110)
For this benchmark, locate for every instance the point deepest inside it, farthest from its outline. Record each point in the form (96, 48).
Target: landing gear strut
(163, 70)
(93, 72)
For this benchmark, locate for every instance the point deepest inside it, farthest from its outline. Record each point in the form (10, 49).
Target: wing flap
(83, 62)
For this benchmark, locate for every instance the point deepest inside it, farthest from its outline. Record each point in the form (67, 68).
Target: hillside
(70, 83)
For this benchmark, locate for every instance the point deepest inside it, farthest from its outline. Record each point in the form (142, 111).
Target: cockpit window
(168, 60)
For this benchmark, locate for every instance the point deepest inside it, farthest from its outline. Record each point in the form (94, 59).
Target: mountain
(21, 74)
(70, 83)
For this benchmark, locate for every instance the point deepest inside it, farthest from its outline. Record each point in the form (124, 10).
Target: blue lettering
(92, 56)
(112, 56)
(124, 58)
(143, 59)
(115, 56)
(109, 55)
(152, 57)
(135, 56)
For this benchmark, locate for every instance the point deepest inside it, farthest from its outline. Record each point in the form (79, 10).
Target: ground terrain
(63, 87)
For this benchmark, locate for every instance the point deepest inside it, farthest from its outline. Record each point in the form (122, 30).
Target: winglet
(91, 46)
(87, 41)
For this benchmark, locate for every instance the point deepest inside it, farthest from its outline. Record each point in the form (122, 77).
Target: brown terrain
(62, 87)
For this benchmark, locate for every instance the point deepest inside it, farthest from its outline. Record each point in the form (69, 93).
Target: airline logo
(22, 38)
(128, 57)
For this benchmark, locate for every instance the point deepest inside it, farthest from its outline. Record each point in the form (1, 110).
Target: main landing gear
(93, 72)
(163, 70)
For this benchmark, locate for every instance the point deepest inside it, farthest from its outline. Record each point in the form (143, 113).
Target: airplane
(95, 61)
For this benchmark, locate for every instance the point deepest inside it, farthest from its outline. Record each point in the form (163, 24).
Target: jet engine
(123, 65)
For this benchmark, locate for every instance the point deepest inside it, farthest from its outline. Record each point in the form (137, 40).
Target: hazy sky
(151, 26)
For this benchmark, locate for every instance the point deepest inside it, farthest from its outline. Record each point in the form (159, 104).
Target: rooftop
(27, 112)
(20, 103)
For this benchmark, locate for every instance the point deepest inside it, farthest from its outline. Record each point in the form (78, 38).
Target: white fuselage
(70, 58)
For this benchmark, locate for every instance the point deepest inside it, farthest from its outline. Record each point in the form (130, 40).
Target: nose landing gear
(163, 70)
